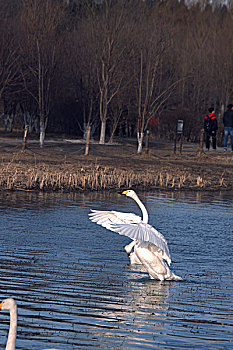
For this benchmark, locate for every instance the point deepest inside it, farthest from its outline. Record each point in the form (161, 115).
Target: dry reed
(30, 171)
(96, 178)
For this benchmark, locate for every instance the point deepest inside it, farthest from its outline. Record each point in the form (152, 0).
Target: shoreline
(63, 167)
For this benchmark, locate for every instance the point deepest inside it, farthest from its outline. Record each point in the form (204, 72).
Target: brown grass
(63, 167)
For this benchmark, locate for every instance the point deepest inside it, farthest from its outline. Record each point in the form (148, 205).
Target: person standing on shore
(210, 128)
(228, 126)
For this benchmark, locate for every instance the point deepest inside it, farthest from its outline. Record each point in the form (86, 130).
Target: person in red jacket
(210, 128)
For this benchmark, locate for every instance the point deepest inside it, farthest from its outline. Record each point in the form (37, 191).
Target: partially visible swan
(150, 246)
(10, 304)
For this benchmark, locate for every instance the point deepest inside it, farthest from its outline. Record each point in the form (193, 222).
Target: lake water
(75, 289)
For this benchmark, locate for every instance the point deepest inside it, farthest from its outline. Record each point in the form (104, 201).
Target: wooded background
(120, 66)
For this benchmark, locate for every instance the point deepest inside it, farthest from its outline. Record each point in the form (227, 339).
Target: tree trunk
(88, 140)
(42, 132)
(102, 132)
(5, 122)
(112, 136)
(140, 137)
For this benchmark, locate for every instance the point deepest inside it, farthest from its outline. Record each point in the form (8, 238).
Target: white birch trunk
(42, 133)
(102, 132)
(140, 137)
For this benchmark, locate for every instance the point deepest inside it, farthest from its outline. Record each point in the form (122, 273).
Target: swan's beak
(125, 192)
(1, 305)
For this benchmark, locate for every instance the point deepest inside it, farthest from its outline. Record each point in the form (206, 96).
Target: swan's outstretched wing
(144, 233)
(107, 218)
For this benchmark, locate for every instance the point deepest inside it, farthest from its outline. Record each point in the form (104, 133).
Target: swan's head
(130, 193)
(8, 304)
(128, 249)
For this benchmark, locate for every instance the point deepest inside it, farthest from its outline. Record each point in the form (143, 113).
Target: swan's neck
(143, 209)
(129, 247)
(13, 329)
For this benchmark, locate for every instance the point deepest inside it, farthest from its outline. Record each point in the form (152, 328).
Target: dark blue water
(75, 289)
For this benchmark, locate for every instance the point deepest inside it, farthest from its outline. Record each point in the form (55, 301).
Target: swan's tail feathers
(174, 277)
(162, 278)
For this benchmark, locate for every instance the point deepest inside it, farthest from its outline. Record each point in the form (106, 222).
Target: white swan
(10, 304)
(150, 246)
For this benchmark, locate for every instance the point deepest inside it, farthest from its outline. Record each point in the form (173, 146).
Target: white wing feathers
(131, 225)
(107, 218)
(142, 232)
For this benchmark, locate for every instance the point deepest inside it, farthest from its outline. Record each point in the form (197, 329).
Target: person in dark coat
(210, 128)
(228, 126)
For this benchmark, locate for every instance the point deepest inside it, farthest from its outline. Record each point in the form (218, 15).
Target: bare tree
(81, 64)
(9, 60)
(109, 29)
(116, 114)
(155, 79)
(42, 20)
(224, 61)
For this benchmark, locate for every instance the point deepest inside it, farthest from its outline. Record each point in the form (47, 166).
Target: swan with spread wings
(148, 247)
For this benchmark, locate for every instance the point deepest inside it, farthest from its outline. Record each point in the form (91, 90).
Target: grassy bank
(62, 166)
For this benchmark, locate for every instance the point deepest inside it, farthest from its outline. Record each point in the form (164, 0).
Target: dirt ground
(181, 170)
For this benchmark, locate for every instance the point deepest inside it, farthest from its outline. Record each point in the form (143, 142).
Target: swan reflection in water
(148, 295)
(141, 318)
(137, 315)
(149, 304)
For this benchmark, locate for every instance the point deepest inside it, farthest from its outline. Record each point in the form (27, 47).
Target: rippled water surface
(75, 289)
